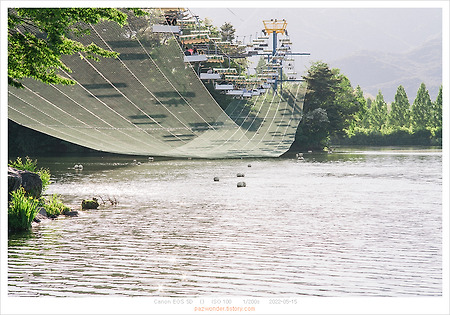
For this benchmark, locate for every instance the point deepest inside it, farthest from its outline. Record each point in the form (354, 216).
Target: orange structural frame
(277, 26)
(172, 9)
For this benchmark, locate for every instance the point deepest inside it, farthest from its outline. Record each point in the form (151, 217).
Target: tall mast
(275, 27)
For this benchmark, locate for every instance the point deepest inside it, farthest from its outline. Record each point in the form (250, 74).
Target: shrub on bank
(54, 206)
(21, 210)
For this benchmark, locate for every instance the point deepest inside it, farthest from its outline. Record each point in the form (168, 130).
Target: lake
(358, 222)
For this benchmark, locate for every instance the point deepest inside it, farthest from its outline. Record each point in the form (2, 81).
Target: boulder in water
(89, 204)
(31, 182)
(71, 213)
(14, 179)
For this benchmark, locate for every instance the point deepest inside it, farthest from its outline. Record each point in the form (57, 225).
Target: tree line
(334, 113)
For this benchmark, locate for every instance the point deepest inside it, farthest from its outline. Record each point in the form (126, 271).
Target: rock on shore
(90, 204)
(30, 181)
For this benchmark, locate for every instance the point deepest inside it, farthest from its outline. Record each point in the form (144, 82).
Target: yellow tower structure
(274, 25)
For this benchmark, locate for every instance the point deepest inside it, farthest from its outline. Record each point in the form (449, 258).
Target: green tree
(261, 65)
(363, 110)
(369, 103)
(360, 118)
(312, 132)
(227, 32)
(378, 112)
(399, 115)
(436, 115)
(328, 108)
(208, 24)
(346, 105)
(38, 38)
(421, 110)
(321, 83)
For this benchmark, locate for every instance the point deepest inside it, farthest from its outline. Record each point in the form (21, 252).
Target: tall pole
(274, 51)
(281, 76)
(274, 44)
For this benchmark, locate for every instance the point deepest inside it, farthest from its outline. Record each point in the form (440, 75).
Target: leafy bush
(28, 165)
(21, 211)
(44, 174)
(54, 206)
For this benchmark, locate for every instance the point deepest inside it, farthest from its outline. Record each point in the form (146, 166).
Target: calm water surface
(355, 223)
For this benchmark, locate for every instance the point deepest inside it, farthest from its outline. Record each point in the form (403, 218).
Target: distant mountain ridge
(377, 70)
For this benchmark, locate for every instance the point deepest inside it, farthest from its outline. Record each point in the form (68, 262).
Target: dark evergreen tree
(400, 113)
(328, 108)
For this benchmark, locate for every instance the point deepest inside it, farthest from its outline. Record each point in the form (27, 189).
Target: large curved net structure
(149, 101)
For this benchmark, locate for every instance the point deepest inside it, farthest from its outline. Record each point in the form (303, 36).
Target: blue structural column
(274, 51)
(274, 43)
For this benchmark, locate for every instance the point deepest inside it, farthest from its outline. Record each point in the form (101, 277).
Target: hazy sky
(332, 33)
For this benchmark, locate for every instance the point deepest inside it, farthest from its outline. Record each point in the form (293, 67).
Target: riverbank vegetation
(24, 205)
(54, 206)
(22, 210)
(336, 114)
(398, 123)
